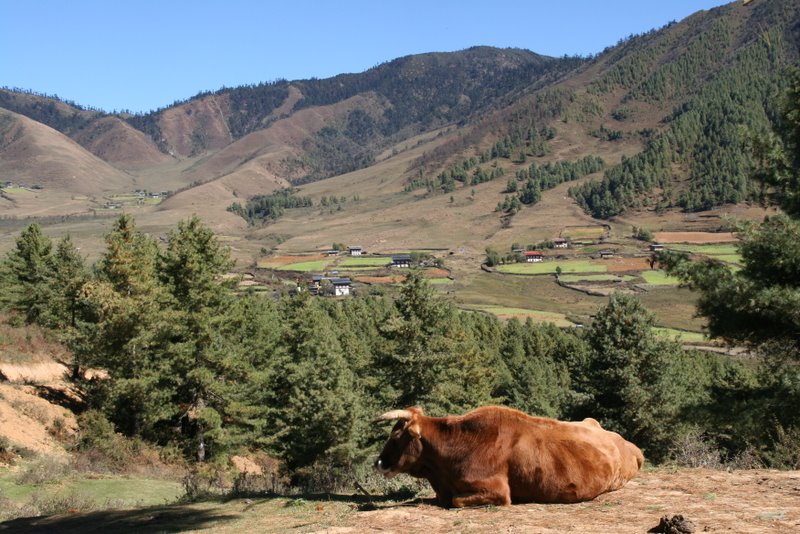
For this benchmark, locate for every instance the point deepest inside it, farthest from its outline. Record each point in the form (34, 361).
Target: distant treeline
(262, 208)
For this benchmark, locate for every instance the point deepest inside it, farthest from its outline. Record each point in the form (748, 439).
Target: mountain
(419, 142)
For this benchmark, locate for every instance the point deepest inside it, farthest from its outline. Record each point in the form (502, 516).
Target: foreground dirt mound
(29, 421)
(742, 502)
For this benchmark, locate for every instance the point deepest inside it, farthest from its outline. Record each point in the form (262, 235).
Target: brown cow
(497, 455)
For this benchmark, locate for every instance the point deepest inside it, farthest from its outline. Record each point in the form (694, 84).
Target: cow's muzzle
(383, 469)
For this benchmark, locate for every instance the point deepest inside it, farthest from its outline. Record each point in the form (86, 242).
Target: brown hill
(34, 154)
(116, 142)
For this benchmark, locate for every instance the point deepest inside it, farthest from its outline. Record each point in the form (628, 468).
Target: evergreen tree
(66, 313)
(190, 270)
(130, 330)
(317, 402)
(631, 376)
(26, 274)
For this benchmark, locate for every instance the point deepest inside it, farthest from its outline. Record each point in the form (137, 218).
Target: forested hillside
(720, 73)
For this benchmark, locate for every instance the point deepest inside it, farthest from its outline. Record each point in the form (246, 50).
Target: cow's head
(404, 447)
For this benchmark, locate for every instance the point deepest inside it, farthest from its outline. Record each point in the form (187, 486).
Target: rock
(676, 525)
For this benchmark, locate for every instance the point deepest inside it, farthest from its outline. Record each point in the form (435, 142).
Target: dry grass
(695, 237)
(742, 501)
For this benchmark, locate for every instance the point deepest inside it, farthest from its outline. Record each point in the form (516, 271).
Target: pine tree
(630, 376)
(190, 269)
(318, 409)
(129, 334)
(26, 274)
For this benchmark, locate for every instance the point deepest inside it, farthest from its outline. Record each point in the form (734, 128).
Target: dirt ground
(746, 502)
(695, 237)
(621, 265)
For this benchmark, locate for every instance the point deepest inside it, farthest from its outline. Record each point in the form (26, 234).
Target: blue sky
(142, 55)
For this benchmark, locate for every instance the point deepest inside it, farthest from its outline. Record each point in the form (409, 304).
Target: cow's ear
(414, 429)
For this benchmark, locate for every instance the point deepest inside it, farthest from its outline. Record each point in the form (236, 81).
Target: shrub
(272, 478)
(694, 449)
(206, 481)
(46, 469)
(785, 452)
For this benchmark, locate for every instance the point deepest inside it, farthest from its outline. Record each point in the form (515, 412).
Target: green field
(303, 266)
(713, 249)
(364, 262)
(98, 492)
(729, 258)
(537, 316)
(575, 278)
(549, 267)
(681, 335)
(726, 252)
(659, 278)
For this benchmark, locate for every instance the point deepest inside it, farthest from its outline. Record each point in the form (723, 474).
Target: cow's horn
(395, 414)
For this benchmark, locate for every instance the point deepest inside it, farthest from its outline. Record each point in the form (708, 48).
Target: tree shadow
(58, 396)
(176, 518)
(360, 502)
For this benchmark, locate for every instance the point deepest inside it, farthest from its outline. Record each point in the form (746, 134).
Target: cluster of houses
(152, 194)
(535, 256)
(342, 286)
(8, 184)
(339, 287)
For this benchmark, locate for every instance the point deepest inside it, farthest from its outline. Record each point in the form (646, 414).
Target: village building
(355, 251)
(533, 256)
(560, 242)
(655, 247)
(401, 260)
(341, 286)
(606, 254)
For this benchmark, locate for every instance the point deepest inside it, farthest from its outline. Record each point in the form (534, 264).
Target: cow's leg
(444, 497)
(493, 491)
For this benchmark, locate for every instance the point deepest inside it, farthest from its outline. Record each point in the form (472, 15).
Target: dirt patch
(621, 265)
(695, 237)
(756, 501)
(436, 273)
(396, 279)
(30, 422)
(41, 372)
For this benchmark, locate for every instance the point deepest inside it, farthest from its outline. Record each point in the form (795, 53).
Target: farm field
(694, 237)
(304, 266)
(584, 232)
(359, 261)
(659, 278)
(549, 267)
(573, 278)
(537, 316)
(682, 336)
(723, 252)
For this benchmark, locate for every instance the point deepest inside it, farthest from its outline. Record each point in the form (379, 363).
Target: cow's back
(555, 461)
